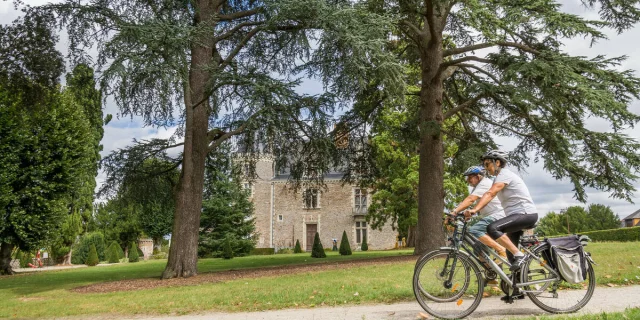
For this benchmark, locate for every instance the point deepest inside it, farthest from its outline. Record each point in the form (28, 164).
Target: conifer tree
(345, 247)
(317, 251)
(364, 246)
(92, 258)
(297, 249)
(133, 253)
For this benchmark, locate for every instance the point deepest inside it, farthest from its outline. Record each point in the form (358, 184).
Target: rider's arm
(466, 203)
(488, 196)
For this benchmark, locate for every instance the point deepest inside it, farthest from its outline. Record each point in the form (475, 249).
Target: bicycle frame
(467, 242)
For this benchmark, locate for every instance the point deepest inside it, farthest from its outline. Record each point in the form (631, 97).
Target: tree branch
(239, 14)
(430, 19)
(463, 59)
(413, 28)
(239, 47)
(464, 67)
(479, 46)
(500, 125)
(463, 106)
(235, 29)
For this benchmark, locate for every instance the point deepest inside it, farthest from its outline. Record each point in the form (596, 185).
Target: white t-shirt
(515, 197)
(494, 207)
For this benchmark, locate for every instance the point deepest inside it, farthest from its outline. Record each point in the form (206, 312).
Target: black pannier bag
(567, 256)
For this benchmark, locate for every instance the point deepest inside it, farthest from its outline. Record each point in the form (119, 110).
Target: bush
(364, 246)
(317, 251)
(92, 258)
(621, 234)
(285, 251)
(133, 253)
(81, 249)
(262, 251)
(298, 249)
(118, 249)
(227, 253)
(345, 247)
(113, 255)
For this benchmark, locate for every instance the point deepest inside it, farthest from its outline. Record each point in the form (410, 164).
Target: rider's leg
(486, 239)
(479, 230)
(510, 224)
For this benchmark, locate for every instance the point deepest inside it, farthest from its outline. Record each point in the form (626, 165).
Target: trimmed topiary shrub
(81, 249)
(227, 253)
(345, 247)
(364, 246)
(118, 249)
(317, 251)
(113, 256)
(133, 253)
(92, 259)
(298, 249)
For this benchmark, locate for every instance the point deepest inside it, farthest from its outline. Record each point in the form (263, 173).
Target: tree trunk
(183, 253)
(429, 233)
(411, 237)
(66, 260)
(5, 258)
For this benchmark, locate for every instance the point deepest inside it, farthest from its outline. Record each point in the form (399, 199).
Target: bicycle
(449, 283)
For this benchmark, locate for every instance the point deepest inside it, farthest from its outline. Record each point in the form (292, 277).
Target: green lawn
(632, 313)
(47, 295)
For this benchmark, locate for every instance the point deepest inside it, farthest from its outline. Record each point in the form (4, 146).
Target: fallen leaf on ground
(608, 276)
(423, 315)
(356, 294)
(611, 285)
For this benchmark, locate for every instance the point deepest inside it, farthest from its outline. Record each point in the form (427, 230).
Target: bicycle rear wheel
(441, 298)
(558, 296)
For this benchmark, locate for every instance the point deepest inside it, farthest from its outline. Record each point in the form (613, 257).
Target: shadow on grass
(33, 283)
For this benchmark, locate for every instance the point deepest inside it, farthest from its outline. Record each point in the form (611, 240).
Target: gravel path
(604, 299)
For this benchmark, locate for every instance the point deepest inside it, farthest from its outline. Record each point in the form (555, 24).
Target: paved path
(604, 299)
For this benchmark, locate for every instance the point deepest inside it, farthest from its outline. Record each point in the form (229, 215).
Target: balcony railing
(359, 210)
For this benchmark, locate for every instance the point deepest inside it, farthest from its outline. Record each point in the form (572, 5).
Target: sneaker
(517, 263)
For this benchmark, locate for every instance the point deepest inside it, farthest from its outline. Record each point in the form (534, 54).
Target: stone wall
(333, 215)
(146, 246)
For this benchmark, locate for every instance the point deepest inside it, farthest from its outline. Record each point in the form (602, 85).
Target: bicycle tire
(428, 301)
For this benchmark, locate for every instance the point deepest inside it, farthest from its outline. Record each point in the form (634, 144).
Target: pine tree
(227, 211)
(112, 253)
(298, 249)
(345, 247)
(317, 251)
(228, 252)
(92, 258)
(364, 246)
(133, 253)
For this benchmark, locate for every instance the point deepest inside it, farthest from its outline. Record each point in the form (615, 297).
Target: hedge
(262, 251)
(620, 234)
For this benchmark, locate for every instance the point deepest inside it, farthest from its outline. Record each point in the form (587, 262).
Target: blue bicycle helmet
(473, 170)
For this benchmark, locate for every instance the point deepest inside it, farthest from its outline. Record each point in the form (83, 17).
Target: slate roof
(635, 215)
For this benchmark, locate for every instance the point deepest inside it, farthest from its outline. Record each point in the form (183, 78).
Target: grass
(631, 313)
(47, 295)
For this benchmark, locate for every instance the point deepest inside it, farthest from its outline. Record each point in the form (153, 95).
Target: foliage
(317, 251)
(298, 249)
(113, 255)
(620, 234)
(595, 217)
(118, 220)
(43, 140)
(227, 252)
(262, 251)
(365, 245)
(345, 247)
(81, 249)
(92, 257)
(285, 251)
(227, 212)
(149, 188)
(133, 253)
(25, 259)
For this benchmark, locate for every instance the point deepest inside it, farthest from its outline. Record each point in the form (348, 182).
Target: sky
(548, 193)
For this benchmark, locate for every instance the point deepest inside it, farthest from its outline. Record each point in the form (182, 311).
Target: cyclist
(521, 212)
(491, 212)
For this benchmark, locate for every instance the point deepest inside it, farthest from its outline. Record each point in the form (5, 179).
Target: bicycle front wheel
(447, 284)
(557, 296)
